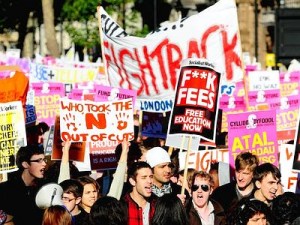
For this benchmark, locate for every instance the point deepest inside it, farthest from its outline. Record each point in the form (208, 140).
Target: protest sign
(201, 160)
(96, 121)
(230, 103)
(289, 83)
(77, 149)
(286, 102)
(46, 100)
(180, 141)
(56, 73)
(155, 124)
(102, 155)
(12, 134)
(285, 136)
(107, 93)
(289, 178)
(296, 163)
(30, 115)
(150, 65)
(263, 87)
(195, 110)
(155, 105)
(287, 117)
(253, 132)
(22, 63)
(50, 141)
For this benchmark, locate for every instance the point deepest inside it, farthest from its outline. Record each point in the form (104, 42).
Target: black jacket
(18, 200)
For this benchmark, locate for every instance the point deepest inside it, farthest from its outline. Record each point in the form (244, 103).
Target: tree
(81, 21)
(50, 33)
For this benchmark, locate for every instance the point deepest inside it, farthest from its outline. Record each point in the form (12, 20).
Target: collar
(210, 207)
(166, 189)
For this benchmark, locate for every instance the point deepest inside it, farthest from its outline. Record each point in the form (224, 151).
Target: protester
(71, 198)
(57, 215)
(90, 192)
(169, 211)
(242, 186)
(214, 172)
(127, 153)
(286, 208)
(201, 208)
(160, 162)
(267, 181)
(250, 212)
(108, 211)
(18, 193)
(35, 133)
(140, 201)
(189, 179)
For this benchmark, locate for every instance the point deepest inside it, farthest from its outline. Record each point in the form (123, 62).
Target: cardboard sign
(254, 132)
(195, 110)
(77, 149)
(12, 134)
(96, 121)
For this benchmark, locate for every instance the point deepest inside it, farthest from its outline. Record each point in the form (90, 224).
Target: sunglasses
(204, 187)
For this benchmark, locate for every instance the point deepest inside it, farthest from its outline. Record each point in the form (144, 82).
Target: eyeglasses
(40, 160)
(204, 187)
(66, 199)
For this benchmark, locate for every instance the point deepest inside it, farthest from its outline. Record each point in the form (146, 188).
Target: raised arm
(117, 184)
(64, 172)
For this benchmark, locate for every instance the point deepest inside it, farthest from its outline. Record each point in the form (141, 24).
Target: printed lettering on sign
(196, 102)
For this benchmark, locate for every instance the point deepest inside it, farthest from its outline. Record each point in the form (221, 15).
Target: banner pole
(184, 183)
(170, 150)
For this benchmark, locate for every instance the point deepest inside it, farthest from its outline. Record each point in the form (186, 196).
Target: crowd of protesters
(147, 188)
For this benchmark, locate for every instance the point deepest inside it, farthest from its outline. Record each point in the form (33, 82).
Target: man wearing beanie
(160, 162)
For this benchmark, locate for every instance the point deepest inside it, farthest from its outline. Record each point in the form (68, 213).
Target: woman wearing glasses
(200, 208)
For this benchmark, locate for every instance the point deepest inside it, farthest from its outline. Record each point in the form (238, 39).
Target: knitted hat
(157, 155)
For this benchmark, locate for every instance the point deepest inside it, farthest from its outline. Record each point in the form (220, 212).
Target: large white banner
(149, 65)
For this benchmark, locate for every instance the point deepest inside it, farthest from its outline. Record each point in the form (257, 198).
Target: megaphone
(48, 195)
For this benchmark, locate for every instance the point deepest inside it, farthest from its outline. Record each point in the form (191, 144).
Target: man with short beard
(140, 201)
(229, 194)
(160, 162)
(17, 195)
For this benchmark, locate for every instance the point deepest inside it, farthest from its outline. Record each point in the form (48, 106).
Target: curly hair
(246, 209)
(286, 208)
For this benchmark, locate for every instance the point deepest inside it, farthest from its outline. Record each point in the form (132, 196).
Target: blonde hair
(189, 176)
(204, 175)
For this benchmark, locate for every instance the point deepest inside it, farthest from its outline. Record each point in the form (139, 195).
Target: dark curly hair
(286, 208)
(246, 209)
